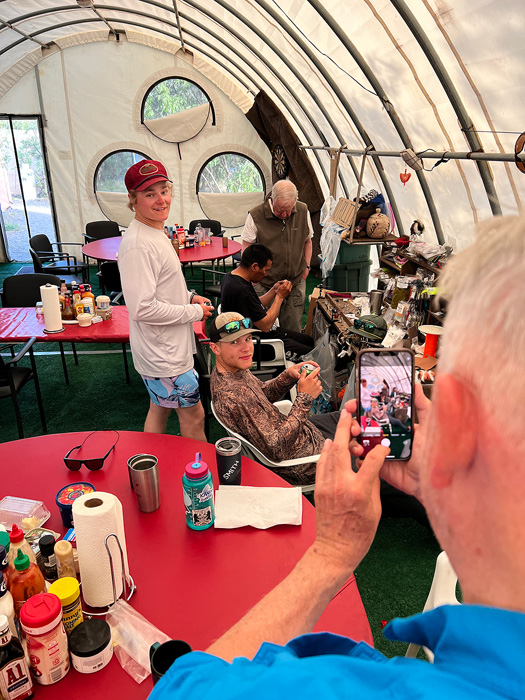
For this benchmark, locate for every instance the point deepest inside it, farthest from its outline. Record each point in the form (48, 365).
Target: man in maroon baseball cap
(161, 309)
(145, 173)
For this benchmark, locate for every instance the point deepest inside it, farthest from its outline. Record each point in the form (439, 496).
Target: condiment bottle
(41, 620)
(7, 607)
(17, 541)
(65, 559)
(68, 591)
(68, 314)
(47, 549)
(88, 299)
(78, 306)
(15, 681)
(26, 581)
(197, 485)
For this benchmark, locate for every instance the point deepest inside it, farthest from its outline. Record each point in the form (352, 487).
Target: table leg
(64, 365)
(73, 348)
(125, 356)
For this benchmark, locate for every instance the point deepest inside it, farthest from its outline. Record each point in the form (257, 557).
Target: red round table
(107, 249)
(230, 569)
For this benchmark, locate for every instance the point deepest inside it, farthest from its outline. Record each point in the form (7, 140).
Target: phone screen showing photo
(385, 401)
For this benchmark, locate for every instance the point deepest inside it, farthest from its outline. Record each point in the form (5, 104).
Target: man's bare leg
(157, 418)
(191, 420)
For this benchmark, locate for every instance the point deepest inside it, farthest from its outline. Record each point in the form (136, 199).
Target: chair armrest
(64, 243)
(21, 352)
(235, 235)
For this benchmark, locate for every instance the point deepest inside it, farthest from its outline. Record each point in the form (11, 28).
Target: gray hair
(284, 190)
(484, 337)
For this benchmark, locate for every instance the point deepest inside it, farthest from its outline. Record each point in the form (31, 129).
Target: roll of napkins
(51, 304)
(96, 515)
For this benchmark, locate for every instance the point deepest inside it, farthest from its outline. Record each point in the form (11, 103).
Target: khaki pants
(292, 309)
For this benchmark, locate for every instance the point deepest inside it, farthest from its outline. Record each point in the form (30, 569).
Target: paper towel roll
(51, 304)
(95, 516)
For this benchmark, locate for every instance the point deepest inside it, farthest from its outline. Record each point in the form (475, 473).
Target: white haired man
(283, 225)
(468, 469)
(161, 309)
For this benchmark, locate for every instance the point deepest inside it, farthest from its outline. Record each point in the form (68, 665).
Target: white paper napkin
(261, 507)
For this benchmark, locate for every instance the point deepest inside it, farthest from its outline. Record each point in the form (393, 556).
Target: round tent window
(228, 186)
(176, 110)
(110, 190)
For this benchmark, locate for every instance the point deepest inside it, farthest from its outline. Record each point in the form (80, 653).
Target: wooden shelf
(411, 265)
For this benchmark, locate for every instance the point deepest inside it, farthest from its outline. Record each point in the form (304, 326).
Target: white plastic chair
(252, 452)
(442, 592)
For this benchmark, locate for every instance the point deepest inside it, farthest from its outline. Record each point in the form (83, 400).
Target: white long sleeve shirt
(160, 314)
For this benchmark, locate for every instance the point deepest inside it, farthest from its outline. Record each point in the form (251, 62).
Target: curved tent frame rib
(231, 26)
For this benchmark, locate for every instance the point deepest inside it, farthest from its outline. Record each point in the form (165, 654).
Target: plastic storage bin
(350, 278)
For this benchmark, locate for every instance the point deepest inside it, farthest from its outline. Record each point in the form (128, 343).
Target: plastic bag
(132, 635)
(330, 237)
(324, 354)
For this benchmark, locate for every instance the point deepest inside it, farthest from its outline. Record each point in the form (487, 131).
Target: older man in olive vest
(283, 224)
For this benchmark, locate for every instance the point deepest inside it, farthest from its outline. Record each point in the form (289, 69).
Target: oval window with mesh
(176, 110)
(110, 190)
(228, 186)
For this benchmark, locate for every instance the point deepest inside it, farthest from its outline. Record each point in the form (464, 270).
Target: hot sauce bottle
(15, 681)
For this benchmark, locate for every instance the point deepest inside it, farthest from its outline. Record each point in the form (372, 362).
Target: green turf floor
(393, 579)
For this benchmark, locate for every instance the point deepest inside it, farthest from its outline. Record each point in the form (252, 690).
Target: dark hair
(256, 253)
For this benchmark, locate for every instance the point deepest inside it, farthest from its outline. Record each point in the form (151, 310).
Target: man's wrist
(193, 294)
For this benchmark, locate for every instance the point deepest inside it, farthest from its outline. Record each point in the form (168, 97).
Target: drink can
(228, 452)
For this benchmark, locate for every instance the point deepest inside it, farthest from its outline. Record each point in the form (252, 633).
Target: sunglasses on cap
(364, 325)
(234, 326)
(92, 464)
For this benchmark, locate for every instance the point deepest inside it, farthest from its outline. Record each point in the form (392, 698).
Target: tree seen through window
(229, 173)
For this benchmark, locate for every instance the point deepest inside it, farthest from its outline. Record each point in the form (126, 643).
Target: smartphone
(385, 400)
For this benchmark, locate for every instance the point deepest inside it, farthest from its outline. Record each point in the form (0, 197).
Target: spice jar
(65, 559)
(41, 620)
(68, 591)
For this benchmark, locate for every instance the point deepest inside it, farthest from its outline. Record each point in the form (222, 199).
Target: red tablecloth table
(107, 249)
(20, 323)
(230, 569)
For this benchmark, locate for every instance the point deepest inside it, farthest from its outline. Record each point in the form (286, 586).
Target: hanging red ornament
(405, 177)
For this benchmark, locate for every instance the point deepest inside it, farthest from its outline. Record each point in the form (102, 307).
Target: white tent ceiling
(444, 75)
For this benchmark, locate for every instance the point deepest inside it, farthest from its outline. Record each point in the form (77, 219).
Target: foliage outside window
(29, 150)
(230, 173)
(172, 96)
(109, 176)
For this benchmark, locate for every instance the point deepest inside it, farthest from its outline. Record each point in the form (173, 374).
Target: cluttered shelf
(409, 266)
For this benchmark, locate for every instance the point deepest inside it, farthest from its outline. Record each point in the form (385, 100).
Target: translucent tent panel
(434, 76)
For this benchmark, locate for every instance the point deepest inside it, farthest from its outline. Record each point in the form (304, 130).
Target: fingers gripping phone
(385, 395)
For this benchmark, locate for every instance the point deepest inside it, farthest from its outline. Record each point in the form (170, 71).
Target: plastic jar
(68, 591)
(65, 497)
(103, 301)
(90, 646)
(41, 620)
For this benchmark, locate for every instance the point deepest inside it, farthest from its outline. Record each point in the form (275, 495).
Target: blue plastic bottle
(197, 486)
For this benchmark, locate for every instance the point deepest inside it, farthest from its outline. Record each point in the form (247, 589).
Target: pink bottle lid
(197, 469)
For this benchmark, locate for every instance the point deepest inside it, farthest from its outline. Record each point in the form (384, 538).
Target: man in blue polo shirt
(468, 469)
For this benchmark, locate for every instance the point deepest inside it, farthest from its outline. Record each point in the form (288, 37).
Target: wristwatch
(308, 267)
(192, 294)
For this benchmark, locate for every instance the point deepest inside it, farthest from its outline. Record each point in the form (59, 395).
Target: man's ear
(455, 425)
(215, 348)
(254, 267)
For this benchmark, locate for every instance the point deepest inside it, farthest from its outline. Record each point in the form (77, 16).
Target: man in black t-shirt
(238, 294)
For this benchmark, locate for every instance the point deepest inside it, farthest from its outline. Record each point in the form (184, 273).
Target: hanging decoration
(405, 177)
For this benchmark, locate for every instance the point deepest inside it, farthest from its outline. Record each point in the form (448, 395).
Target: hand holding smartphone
(385, 396)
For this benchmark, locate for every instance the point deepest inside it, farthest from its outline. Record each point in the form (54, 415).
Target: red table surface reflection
(228, 571)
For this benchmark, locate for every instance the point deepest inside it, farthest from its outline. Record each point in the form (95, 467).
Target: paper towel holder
(128, 584)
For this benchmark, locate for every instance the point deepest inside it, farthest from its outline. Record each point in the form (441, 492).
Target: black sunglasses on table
(92, 464)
